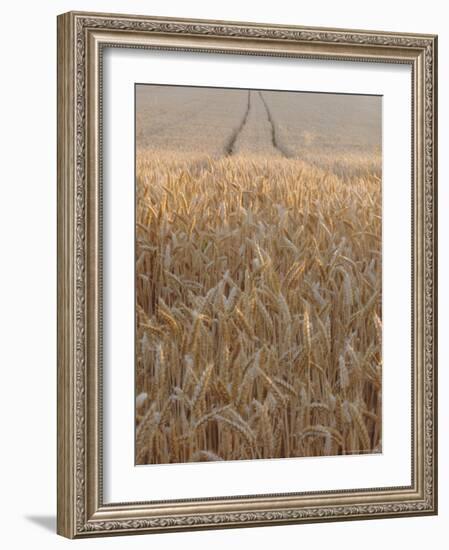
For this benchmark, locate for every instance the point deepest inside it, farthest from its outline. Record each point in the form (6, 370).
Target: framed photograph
(246, 274)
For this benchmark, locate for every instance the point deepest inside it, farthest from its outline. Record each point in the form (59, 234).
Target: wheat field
(258, 298)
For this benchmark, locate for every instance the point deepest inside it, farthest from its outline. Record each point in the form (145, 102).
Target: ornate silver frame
(81, 39)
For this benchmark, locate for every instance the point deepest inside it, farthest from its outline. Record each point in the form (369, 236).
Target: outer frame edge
(65, 524)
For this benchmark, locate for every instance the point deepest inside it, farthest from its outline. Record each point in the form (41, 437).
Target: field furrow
(256, 137)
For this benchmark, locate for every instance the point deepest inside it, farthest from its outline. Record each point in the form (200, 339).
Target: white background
(125, 483)
(28, 274)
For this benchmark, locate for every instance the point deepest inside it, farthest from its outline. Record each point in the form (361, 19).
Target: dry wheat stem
(258, 290)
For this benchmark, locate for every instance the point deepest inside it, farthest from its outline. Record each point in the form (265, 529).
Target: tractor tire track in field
(256, 134)
(274, 138)
(231, 144)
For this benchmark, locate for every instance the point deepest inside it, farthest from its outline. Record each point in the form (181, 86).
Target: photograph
(258, 274)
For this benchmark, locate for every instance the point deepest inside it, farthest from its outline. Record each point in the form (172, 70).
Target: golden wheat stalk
(258, 319)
